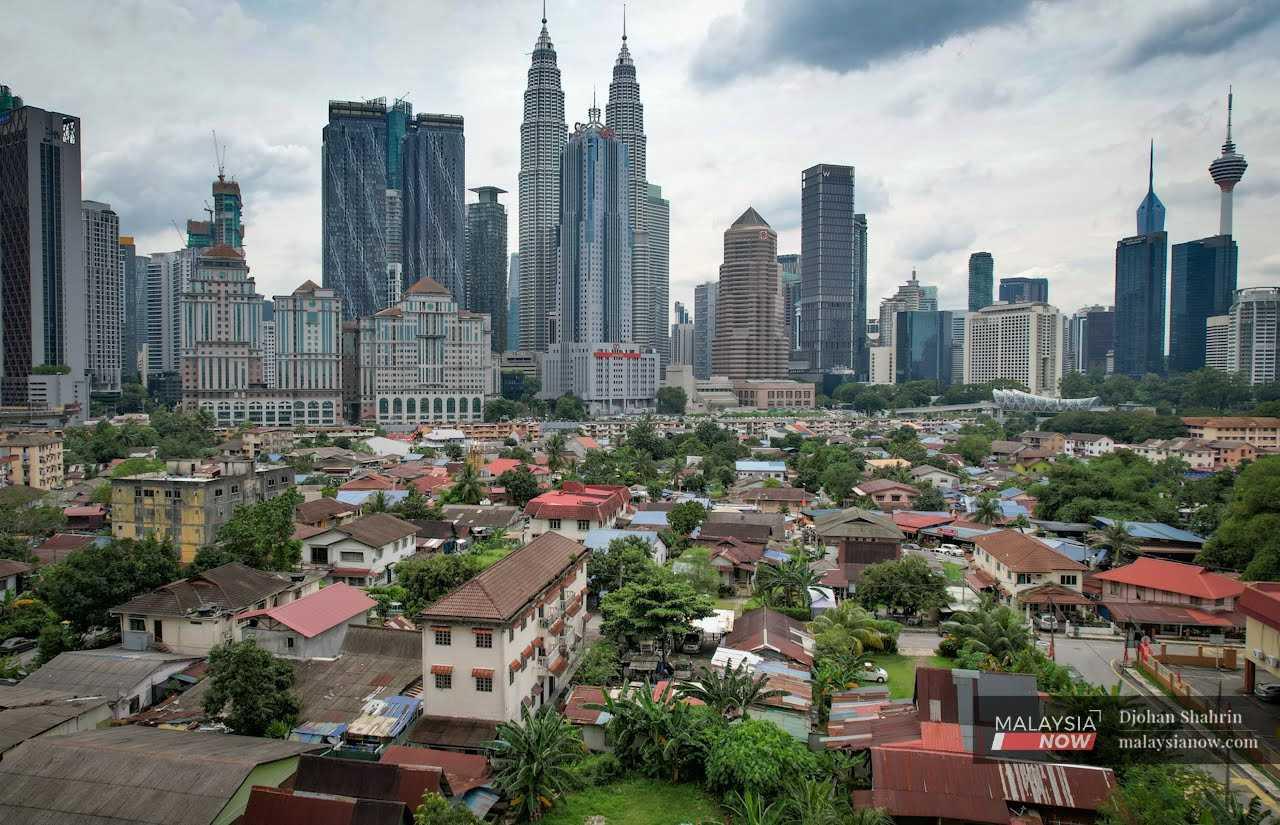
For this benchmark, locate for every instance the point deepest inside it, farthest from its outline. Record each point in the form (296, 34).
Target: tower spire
(1230, 96)
(1227, 170)
(1151, 168)
(624, 36)
(544, 12)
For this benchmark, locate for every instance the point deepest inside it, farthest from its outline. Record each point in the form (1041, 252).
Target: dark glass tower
(982, 273)
(830, 282)
(487, 261)
(433, 200)
(1140, 289)
(923, 341)
(354, 205)
(1024, 290)
(1203, 284)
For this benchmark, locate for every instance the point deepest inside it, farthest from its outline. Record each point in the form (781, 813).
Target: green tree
(625, 560)
(556, 447)
(658, 607)
(671, 401)
(425, 580)
(436, 810)
(261, 535)
(973, 448)
(930, 498)
(1157, 795)
(662, 738)
(415, 505)
(136, 466)
(696, 568)
(466, 488)
(785, 585)
(841, 636)
(730, 692)
(831, 674)
(1248, 538)
(986, 510)
(995, 631)
(501, 409)
(838, 480)
(685, 517)
(55, 638)
(521, 485)
(601, 665)
(16, 549)
(759, 755)
(532, 761)
(1115, 537)
(251, 687)
(907, 584)
(91, 581)
(569, 408)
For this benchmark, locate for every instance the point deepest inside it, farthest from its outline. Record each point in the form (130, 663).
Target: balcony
(552, 611)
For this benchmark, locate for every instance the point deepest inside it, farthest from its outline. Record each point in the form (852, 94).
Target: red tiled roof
(88, 511)
(577, 501)
(1173, 577)
(1023, 554)
(321, 509)
(373, 481)
(1261, 601)
(913, 520)
(314, 614)
(306, 531)
(794, 494)
(441, 670)
(1148, 613)
(429, 483)
(482, 672)
(883, 485)
(12, 567)
(501, 591)
(575, 705)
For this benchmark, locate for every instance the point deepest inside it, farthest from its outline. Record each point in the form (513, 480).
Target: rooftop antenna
(219, 155)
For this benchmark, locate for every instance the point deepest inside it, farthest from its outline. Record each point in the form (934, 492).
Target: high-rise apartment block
(657, 254)
(832, 297)
(1246, 339)
(1202, 278)
(133, 309)
(433, 232)
(423, 359)
(909, 296)
(1024, 290)
(1091, 339)
(982, 270)
(1018, 342)
(105, 286)
(513, 304)
(789, 272)
(750, 336)
(704, 327)
(486, 289)
(542, 138)
(1141, 264)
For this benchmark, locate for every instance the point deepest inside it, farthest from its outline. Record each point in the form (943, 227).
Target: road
(1091, 657)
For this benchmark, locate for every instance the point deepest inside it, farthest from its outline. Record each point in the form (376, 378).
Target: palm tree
(786, 584)
(1229, 811)
(1116, 537)
(998, 632)
(830, 677)
(532, 760)
(987, 510)
(555, 448)
(855, 624)
(664, 738)
(730, 692)
(467, 488)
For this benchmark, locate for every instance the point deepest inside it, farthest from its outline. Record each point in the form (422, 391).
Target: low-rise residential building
(129, 680)
(771, 635)
(34, 459)
(1194, 451)
(748, 469)
(1016, 562)
(508, 638)
(775, 499)
(889, 495)
(324, 512)
(361, 552)
(192, 616)
(313, 627)
(598, 541)
(1259, 602)
(1089, 445)
(576, 509)
(191, 500)
(860, 538)
(1160, 581)
(940, 479)
(29, 713)
(13, 575)
(1047, 442)
(1262, 432)
(1230, 454)
(1156, 539)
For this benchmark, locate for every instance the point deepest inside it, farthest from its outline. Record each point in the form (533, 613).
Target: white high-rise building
(1252, 340)
(105, 287)
(269, 354)
(957, 344)
(168, 274)
(1017, 342)
(542, 137)
(658, 263)
(1219, 343)
(910, 295)
(682, 351)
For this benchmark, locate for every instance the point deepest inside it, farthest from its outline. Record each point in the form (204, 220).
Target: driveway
(1091, 657)
(1260, 717)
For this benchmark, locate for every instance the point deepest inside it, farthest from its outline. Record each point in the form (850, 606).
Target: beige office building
(751, 337)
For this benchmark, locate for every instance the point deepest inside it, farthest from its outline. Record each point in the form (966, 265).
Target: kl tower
(1227, 171)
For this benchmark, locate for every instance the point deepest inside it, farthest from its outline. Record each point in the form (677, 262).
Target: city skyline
(151, 175)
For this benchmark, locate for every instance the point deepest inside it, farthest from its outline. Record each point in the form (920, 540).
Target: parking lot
(1261, 717)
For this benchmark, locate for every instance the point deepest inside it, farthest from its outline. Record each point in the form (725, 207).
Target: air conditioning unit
(1258, 655)
(1274, 661)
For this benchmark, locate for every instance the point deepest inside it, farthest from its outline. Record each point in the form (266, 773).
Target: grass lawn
(636, 802)
(902, 671)
(953, 572)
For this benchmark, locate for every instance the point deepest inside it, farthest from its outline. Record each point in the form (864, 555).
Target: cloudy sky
(1004, 125)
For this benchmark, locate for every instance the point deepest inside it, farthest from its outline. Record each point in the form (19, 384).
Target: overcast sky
(1003, 125)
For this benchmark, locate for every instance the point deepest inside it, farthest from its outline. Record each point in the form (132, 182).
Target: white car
(950, 550)
(870, 673)
(1048, 621)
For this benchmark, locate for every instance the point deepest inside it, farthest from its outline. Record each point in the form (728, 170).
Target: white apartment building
(1219, 343)
(1253, 339)
(269, 354)
(1089, 445)
(510, 637)
(883, 366)
(610, 378)
(105, 284)
(1018, 342)
(424, 360)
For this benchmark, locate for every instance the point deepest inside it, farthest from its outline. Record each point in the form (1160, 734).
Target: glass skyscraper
(1203, 284)
(923, 342)
(830, 286)
(982, 269)
(487, 261)
(513, 303)
(354, 206)
(1024, 290)
(433, 203)
(1140, 289)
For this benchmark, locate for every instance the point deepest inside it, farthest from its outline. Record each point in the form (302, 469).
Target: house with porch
(1163, 596)
(1009, 562)
(576, 509)
(362, 552)
(889, 495)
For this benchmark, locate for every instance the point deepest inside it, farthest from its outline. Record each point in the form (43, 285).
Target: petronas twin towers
(543, 135)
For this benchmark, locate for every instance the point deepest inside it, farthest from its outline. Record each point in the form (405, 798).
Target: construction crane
(181, 238)
(219, 155)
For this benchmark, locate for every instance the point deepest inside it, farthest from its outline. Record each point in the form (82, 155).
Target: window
(138, 624)
(1068, 579)
(319, 555)
(444, 681)
(555, 523)
(1114, 588)
(1139, 593)
(1025, 578)
(484, 684)
(511, 634)
(288, 642)
(583, 524)
(484, 638)
(511, 676)
(444, 636)
(352, 555)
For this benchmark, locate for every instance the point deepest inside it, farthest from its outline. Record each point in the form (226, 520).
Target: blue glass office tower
(1140, 289)
(487, 261)
(982, 273)
(354, 206)
(1203, 284)
(832, 293)
(433, 199)
(1024, 290)
(922, 342)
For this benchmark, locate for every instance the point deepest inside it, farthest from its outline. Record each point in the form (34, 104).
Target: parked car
(1047, 621)
(870, 673)
(1269, 692)
(911, 545)
(692, 642)
(950, 550)
(17, 644)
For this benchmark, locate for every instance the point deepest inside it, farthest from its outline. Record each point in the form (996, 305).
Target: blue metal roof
(361, 496)
(1011, 492)
(650, 518)
(599, 538)
(1153, 530)
(748, 466)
